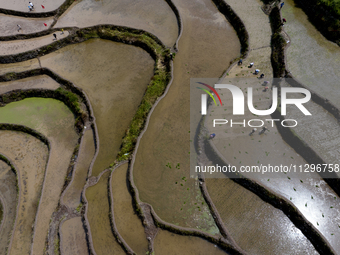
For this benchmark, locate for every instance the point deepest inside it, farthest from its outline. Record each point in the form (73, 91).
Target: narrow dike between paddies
(8, 199)
(30, 156)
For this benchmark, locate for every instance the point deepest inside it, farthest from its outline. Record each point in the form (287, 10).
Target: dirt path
(154, 16)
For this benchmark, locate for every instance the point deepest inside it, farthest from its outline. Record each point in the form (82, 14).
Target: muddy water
(167, 243)
(72, 197)
(311, 57)
(37, 82)
(98, 216)
(30, 157)
(18, 46)
(207, 45)
(18, 5)
(128, 223)
(8, 196)
(28, 25)
(73, 237)
(154, 16)
(115, 86)
(244, 214)
(54, 120)
(19, 67)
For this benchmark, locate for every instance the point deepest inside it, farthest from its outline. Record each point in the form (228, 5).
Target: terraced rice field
(96, 128)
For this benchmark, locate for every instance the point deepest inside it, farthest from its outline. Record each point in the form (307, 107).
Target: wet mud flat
(207, 45)
(256, 226)
(168, 243)
(115, 88)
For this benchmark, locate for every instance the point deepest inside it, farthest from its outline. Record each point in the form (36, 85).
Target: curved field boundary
(27, 130)
(14, 169)
(240, 29)
(59, 11)
(118, 34)
(173, 228)
(91, 182)
(267, 195)
(151, 44)
(8, 162)
(3, 206)
(59, 94)
(179, 22)
(18, 95)
(277, 201)
(114, 228)
(221, 242)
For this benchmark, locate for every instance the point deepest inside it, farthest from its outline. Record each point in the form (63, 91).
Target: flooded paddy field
(207, 45)
(256, 226)
(168, 243)
(8, 201)
(19, 66)
(54, 120)
(28, 25)
(115, 88)
(311, 58)
(30, 158)
(73, 239)
(19, 46)
(154, 16)
(72, 197)
(37, 82)
(98, 218)
(128, 223)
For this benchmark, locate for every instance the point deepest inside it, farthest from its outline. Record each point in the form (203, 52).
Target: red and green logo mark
(213, 90)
